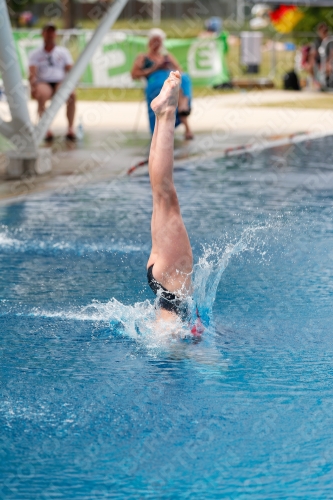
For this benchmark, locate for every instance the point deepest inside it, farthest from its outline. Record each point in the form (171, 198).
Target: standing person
(213, 28)
(316, 68)
(155, 66)
(170, 263)
(48, 66)
(322, 33)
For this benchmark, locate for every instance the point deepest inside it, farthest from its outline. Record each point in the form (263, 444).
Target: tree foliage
(313, 16)
(17, 6)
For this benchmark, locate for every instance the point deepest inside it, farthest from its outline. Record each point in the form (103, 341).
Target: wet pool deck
(116, 135)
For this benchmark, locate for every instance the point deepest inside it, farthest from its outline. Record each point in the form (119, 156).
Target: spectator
(213, 28)
(155, 66)
(48, 66)
(317, 51)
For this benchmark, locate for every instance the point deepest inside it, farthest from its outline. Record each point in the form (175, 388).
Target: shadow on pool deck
(120, 138)
(103, 157)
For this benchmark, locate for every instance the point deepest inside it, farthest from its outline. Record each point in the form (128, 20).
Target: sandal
(71, 137)
(49, 138)
(185, 112)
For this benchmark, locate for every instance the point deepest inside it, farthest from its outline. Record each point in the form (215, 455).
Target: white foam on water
(138, 322)
(6, 242)
(112, 311)
(11, 244)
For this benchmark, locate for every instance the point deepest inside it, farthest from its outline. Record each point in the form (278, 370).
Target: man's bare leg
(171, 250)
(188, 131)
(184, 105)
(71, 113)
(42, 94)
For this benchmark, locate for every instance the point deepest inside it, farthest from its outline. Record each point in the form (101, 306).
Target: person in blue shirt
(155, 67)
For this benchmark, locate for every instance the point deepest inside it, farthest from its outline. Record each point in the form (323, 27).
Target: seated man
(48, 66)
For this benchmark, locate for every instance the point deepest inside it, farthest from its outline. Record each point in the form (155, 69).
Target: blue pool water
(95, 404)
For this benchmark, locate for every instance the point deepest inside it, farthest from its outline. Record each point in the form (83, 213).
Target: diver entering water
(167, 300)
(170, 263)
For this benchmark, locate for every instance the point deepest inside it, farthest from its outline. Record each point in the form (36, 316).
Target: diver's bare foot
(49, 136)
(167, 100)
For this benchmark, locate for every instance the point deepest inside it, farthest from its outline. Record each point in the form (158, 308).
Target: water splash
(207, 273)
(139, 322)
(119, 317)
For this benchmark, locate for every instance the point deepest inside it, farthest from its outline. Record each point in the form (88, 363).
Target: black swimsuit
(53, 85)
(167, 300)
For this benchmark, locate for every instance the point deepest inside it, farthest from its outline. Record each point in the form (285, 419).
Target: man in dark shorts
(48, 66)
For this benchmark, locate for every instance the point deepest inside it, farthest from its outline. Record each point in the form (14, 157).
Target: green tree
(15, 7)
(313, 16)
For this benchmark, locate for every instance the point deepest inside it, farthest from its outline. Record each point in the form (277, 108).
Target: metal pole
(23, 130)
(6, 129)
(69, 83)
(273, 58)
(240, 12)
(157, 12)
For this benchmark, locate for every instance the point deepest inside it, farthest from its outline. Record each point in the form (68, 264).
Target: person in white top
(48, 66)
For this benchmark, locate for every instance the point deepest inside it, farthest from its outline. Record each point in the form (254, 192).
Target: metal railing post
(20, 131)
(273, 59)
(6, 129)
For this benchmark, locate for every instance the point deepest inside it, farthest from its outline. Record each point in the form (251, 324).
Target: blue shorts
(154, 86)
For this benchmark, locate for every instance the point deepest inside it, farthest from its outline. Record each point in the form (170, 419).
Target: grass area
(174, 28)
(133, 95)
(273, 69)
(109, 95)
(180, 28)
(320, 102)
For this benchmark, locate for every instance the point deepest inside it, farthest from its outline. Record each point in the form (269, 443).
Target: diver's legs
(171, 250)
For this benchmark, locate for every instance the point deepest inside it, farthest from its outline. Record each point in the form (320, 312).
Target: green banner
(204, 59)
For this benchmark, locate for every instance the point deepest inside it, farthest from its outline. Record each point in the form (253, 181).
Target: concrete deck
(116, 135)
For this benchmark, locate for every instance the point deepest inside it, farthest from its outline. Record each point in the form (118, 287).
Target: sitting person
(155, 66)
(48, 66)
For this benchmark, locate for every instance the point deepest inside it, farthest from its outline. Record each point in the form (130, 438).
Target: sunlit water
(97, 403)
